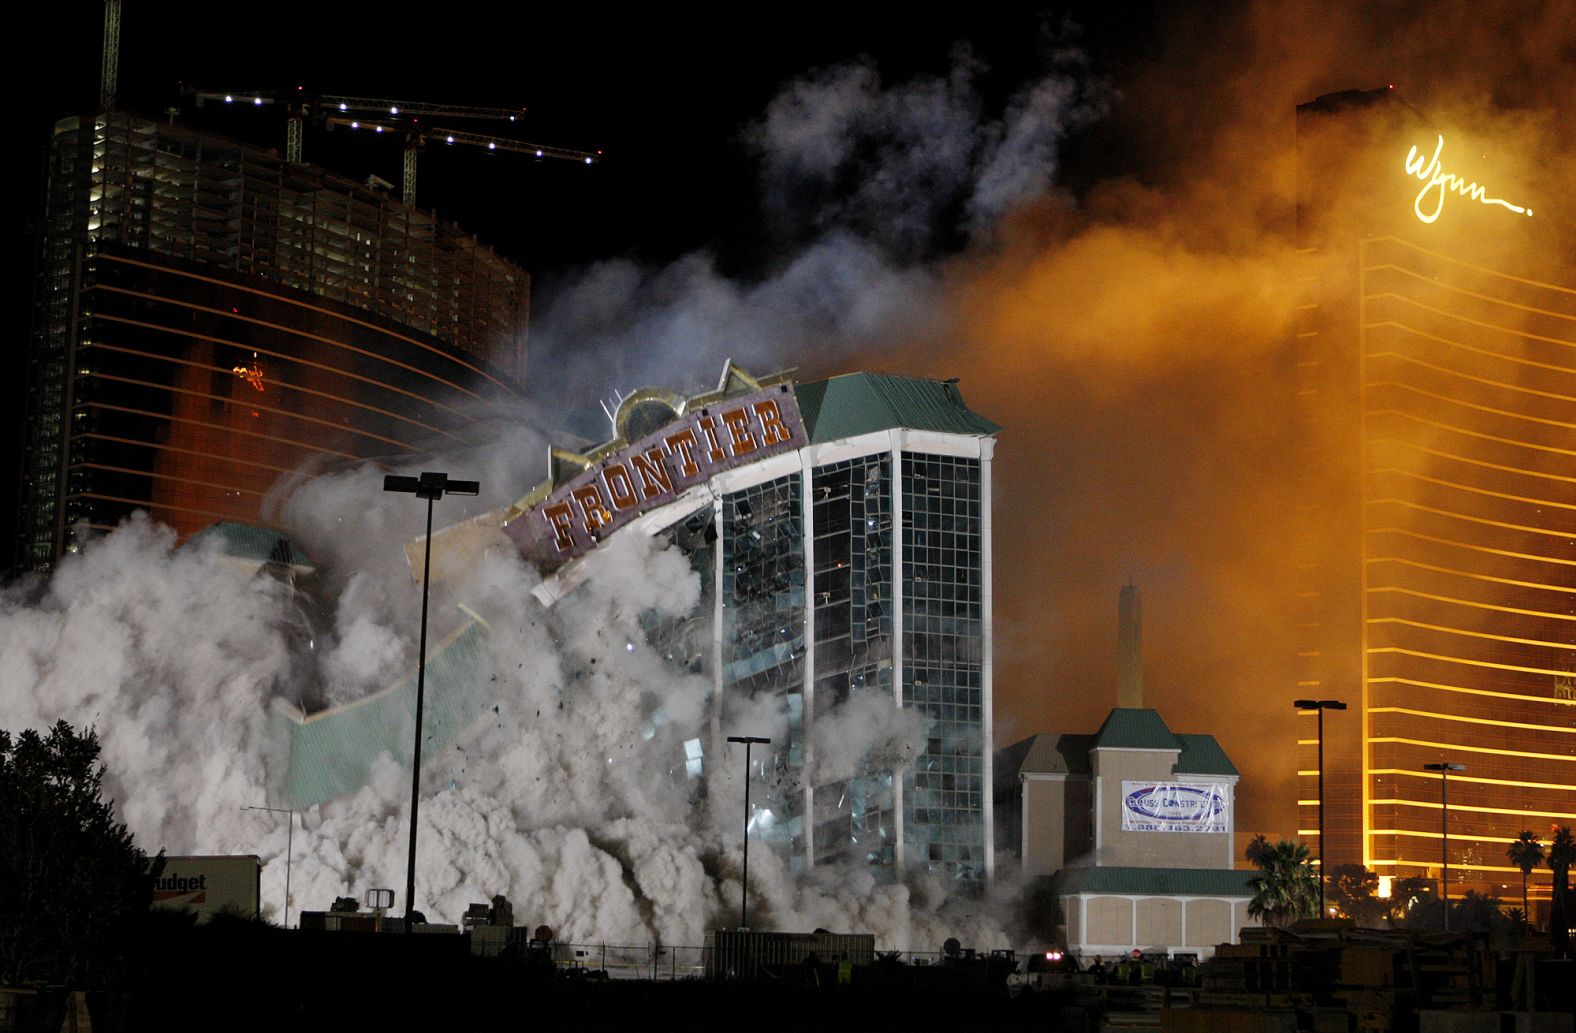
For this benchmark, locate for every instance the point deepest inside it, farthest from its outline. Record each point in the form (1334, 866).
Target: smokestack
(1129, 650)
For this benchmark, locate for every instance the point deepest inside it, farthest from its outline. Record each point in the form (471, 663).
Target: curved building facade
(1438, 358)
(210, 318)
(1469, 560)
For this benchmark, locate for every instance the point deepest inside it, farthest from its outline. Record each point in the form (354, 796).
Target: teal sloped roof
(332, 752)
(1167, 882)
(1132, 728)
(862, 403)
(250, 542)
(1202, 755)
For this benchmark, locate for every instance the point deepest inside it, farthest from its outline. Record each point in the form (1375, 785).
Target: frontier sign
(656, 470)
(1437, 183)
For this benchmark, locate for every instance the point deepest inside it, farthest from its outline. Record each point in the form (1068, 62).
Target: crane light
(492, 147)
(451, 139)
(344, 107)
(228, 99)
(393, 111)
(257, 101)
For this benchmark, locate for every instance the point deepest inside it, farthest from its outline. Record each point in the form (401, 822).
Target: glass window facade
(762, 613)
(190, 392)
(209, 316)
(894, 549)
(943, 662)
(852, 519)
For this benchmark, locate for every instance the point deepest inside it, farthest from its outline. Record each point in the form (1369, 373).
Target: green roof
(1132, 728)
(250, 542)
(863, 403)
(332, 752)
(1167, 882)
(1202, 755)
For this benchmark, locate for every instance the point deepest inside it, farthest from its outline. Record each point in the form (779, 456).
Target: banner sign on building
(656, 470)
(1176, 807)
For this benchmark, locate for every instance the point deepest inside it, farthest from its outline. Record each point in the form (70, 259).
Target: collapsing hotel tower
(1437, 376)
(840, 530)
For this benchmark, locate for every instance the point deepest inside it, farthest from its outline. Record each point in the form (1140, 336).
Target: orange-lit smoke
(1136, 347)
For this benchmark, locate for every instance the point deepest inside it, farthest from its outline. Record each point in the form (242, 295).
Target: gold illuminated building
(1438, 378)
(211, 318)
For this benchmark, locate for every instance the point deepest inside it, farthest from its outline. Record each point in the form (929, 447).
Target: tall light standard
(289, 853)
(1319, 706)
(429, 486)
(744, 895)
(1444, 832)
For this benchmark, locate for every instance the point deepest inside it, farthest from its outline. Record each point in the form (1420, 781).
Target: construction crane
(387, 115)
(109, 66)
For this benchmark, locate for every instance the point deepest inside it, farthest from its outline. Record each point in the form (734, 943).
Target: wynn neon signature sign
(1438, 182)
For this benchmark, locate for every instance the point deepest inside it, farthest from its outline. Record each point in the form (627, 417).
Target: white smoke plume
(173, 658)
(570, 797)
(866, 185)
(861, 732)
(560, 798)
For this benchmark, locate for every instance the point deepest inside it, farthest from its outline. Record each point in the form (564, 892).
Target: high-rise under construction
(210, 317)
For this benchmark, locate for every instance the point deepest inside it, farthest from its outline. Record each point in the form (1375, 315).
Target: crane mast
(109, 70)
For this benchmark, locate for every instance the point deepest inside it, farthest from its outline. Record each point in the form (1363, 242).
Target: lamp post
(429, 486)
(1319, 706)
(289, 853)
(1444, 832)
(744, 894)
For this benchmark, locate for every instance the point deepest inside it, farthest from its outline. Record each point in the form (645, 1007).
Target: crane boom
(393, 116)
(386, 106)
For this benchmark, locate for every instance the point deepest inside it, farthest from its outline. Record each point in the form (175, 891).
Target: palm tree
(1354, 891)
(1525, 853)
(1561, 856)
(1286, 887)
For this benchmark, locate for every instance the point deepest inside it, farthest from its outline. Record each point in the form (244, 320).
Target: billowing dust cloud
(1134, 338)
(1138, 346)
(1131, 338)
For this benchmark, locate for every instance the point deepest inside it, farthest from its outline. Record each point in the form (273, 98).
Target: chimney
(1129, 650)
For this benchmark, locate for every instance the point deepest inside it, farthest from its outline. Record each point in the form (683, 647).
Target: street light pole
(429, 486)
(744, 894)
(1319, 706)
(289, 851)
(1444, 832)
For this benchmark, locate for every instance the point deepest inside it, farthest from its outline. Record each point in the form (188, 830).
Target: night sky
(666, 92)
(1125, 419)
